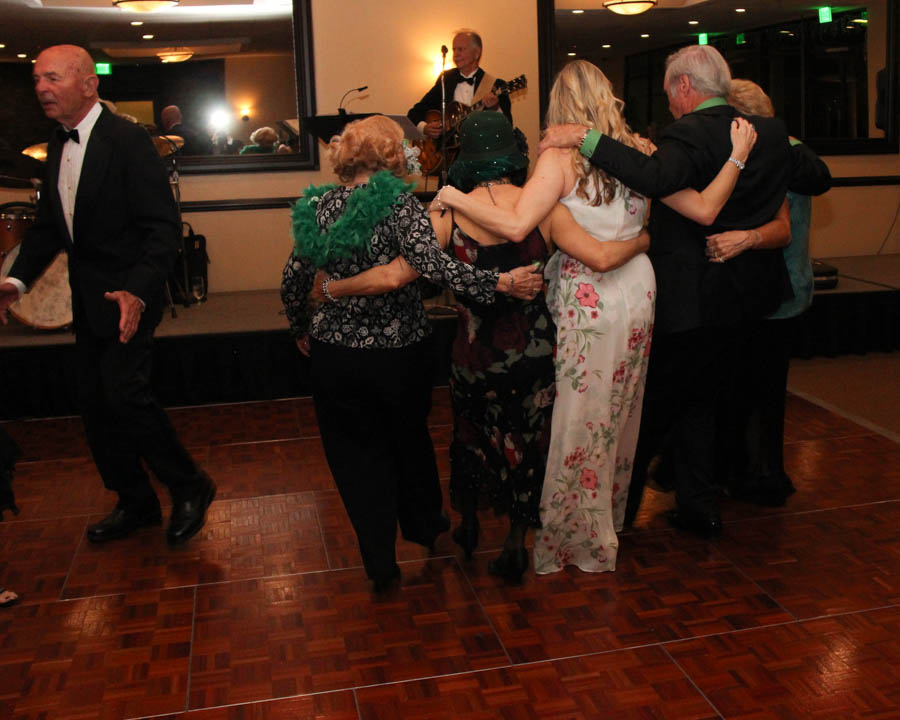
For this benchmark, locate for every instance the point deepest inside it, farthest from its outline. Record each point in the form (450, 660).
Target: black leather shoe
(510, 565)
(706, 526)
(121, 522)
(383, 585)
(189, 516)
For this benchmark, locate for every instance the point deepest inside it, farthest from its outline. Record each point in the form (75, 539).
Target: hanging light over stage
(629, 7)
(144, 6)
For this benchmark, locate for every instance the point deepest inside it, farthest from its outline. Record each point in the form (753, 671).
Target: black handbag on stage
(190, 277)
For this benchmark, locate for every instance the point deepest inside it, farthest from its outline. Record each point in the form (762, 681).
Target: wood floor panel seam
(693, 682)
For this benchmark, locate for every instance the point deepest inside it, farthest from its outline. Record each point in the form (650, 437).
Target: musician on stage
(465, 84)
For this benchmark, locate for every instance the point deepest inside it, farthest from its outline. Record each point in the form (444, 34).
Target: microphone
(444, 50)
(341, 110)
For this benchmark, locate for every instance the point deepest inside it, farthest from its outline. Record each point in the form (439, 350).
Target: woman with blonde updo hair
(371, 357)
(604, 320)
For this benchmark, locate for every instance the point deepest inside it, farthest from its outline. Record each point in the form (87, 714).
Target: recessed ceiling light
(693, 22)
(2, 46)
(147, 37)
(571, 54)
(645, 35)
(740, 9)
(577, 12)
(607, 46)
(21, 55)
(137, 23)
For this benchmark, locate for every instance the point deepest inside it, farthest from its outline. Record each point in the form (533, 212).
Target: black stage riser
(204, 369)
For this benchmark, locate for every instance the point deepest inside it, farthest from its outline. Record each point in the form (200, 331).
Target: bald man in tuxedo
(108, 204)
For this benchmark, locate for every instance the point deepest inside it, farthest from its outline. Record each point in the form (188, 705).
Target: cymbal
(168, 144)
(38, 152)
(9, 181)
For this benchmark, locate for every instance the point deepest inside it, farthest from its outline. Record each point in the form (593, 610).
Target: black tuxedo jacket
(692, 291)
(125, 225)
(432, 99)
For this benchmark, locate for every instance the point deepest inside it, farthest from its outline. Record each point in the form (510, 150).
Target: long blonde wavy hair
(582, 94)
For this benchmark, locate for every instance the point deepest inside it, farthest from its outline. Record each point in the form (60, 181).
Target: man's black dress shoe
(188, 516)
(121, 522)
(706, 526)
(385, 584)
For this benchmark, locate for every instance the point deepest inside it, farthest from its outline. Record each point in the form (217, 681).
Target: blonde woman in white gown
(604, 320)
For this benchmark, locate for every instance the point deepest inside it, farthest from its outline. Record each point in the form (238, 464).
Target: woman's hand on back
(743, 138)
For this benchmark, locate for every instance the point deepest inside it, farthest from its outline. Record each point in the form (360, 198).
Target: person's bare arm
(774, 234)
(523, 282)
(374, 281)
(545, 187)
(576, 242)
(703, 207)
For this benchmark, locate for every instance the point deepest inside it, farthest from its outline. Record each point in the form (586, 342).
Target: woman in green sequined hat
(370, 358)
(502, 376)
(488, 149)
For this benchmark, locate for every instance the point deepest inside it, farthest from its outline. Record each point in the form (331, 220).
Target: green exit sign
(825, 14)
(103, 68)
(703, 39)
(741, 39)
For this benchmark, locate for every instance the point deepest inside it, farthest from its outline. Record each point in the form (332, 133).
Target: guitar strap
(484, 87)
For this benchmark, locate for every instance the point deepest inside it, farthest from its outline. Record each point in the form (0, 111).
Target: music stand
(325, 127)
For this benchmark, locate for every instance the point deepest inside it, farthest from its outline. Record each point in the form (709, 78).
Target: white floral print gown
(604, 324)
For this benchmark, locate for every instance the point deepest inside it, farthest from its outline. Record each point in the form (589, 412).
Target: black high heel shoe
(510, 565)
(466, 536)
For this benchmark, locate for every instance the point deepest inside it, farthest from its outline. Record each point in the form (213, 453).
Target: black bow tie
(64, 134)
(470, 80)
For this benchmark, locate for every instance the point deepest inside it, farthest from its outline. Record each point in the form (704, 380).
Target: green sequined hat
(487, 150)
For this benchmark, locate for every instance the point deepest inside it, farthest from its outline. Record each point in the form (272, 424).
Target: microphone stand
(443, 118)
(173, 181)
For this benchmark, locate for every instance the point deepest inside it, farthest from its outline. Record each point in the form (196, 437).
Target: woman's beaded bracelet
(325, 292)
(737, 163)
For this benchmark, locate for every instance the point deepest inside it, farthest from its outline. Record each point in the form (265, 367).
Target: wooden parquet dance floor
(267, 614)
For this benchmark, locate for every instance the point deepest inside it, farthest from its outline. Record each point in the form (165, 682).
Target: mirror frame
(889, 144)
(304, 73)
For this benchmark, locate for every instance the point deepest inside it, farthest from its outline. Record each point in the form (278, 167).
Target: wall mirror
(831, 73)
(231, 66)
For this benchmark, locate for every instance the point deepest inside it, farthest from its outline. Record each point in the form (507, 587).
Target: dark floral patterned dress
(502, 388)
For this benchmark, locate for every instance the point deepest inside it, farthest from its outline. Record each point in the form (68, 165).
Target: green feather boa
(352, 231)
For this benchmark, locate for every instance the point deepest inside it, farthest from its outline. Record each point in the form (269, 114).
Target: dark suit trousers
(124, 423)
(687, 374)
(751, 455)
(372, 408)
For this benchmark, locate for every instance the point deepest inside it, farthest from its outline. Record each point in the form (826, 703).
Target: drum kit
(48, 305)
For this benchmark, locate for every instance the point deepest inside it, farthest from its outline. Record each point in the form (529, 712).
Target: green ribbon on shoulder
(367, 206)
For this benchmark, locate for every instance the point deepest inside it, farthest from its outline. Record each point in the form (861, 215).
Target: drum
(15, 219)
(48, 305)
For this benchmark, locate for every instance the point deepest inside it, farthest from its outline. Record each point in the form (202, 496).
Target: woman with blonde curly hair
(604, 320)
(370, 357)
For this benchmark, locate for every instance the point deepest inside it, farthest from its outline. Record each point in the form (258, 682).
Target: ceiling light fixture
(174, 55)
(144, 6)
(629, 7)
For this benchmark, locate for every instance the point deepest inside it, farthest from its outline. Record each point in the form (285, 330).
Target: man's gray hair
(705, 67)
(474, 36)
